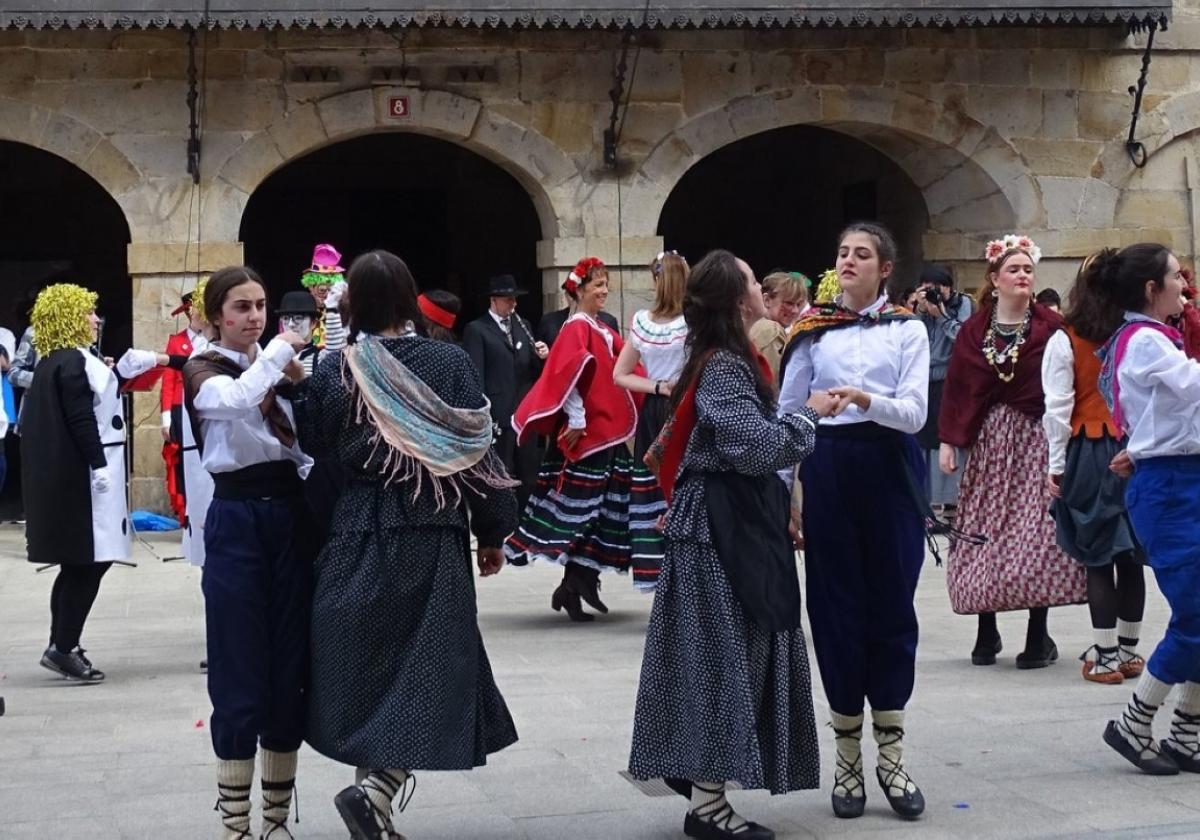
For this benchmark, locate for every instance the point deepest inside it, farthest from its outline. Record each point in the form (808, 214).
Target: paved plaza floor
(999, 752)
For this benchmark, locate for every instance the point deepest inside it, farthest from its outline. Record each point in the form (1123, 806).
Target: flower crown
(997, 248)
(657, 268)
(579, 274)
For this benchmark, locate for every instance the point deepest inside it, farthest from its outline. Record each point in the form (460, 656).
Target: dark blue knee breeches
(1163, 499)
(864, 546)
(258, 597)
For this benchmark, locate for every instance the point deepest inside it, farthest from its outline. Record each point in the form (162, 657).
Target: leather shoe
(693, 826)
(1028, 660)
(1186, 763)
(908, 805)
(74, 665)
(1157, 765)
(985, 654)
(848, 807)
(564, 599)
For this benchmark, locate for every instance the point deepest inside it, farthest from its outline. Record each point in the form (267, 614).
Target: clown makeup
(319, 293)
(301, 325)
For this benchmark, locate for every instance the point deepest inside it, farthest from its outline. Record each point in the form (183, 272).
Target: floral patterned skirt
(1003, 497)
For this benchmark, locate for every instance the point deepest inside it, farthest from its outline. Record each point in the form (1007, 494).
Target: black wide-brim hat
(505, 285)
(297, 303)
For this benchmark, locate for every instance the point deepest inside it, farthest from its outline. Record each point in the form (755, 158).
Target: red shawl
(580, 358)
(666, 453)
(972, 386)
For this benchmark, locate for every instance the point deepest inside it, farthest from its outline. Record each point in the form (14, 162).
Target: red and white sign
(398, 107)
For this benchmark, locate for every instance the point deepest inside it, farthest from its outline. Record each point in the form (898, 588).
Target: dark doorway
(780, 198)
(454, 217)
(57, 225)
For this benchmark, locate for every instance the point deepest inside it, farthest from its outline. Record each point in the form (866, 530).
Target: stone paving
(999, 752)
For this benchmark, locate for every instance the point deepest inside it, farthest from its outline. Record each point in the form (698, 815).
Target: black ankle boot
(585, 583)
(987, 641)
(564, 599)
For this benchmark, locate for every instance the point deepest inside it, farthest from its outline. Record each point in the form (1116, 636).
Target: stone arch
(1170, 120)
(538, 165)
(70, 139)
(973, 181)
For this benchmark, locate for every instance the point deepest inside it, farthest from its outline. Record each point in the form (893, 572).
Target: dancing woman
(725, 693)
(863, 560)
(400, 677)
(257, 567)
(1089, 509)
(579, 513)
(1153, 390)
(993, 404)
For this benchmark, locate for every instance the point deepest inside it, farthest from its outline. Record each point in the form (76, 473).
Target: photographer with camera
(943, 311)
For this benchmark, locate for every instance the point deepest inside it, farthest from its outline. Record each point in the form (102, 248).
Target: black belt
(268, 480)
(866, 430)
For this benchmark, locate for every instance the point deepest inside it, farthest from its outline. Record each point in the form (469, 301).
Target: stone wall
(1002, 129)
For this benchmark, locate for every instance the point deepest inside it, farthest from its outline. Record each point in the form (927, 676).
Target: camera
(934, 295)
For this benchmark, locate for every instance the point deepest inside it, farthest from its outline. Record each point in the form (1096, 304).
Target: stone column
(158, 277)
(630, 286)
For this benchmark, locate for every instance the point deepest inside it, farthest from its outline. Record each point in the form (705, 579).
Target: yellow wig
(829, 287)
(198, 300)
(60, 319)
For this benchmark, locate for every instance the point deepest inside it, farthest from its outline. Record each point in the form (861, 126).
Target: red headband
(579, 274)
(435, 313)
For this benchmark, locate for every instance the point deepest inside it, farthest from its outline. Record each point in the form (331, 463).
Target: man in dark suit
(501, 345)
(552, 323)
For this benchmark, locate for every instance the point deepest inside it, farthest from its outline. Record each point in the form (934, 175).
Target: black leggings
(1121, 595)
(71, 600)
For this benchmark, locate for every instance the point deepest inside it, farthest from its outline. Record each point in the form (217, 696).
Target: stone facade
(1000, 128)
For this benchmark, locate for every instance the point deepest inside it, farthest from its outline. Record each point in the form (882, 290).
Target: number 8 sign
(398, 106)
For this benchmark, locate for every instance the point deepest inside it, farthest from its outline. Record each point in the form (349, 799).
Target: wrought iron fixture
(1134, 148)
(193, 97)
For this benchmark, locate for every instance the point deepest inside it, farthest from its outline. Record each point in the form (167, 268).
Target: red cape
(580, 358)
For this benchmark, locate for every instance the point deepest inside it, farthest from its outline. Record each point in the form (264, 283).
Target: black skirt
(1091, 523)
(651, 419)
(928, 436)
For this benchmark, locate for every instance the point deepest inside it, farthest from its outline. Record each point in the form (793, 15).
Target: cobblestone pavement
(999, 752)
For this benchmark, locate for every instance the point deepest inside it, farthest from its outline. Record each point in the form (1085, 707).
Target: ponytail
(1110, 283)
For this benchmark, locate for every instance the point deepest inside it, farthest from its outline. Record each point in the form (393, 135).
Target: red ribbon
(435, 313)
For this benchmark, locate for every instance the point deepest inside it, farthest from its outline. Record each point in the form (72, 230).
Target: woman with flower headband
(579, 514)
(785, 294)
(656, 341)
(992, 404)
(1089, 508)
(863, 561)
(73, 465)
(1153, 391)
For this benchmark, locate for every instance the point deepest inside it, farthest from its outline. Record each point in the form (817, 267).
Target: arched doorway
(779, 199)
(58, 225)
(453, 216)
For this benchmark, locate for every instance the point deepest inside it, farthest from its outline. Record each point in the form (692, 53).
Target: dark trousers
(864, 546)
(258, 598)
(521, 462)
(71, 598)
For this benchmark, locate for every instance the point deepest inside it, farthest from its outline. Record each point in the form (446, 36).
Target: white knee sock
(709, 804)
(1128, 633)
(1106, 656)
(234, 779)
(889, 735)
(1185, 724)
(1136, 724)
(848, 768)
(278, 782)
(381, 787)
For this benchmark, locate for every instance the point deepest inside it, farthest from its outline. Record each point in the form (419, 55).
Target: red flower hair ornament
(579, 274)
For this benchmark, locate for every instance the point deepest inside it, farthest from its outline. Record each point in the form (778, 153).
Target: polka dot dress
(721, 699)
(400, 677)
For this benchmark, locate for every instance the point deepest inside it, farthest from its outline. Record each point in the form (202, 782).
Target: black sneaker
(73, 665)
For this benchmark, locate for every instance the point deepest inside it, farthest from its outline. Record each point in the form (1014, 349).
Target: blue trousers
(1163, 499)
(257, 587)
(864, 547)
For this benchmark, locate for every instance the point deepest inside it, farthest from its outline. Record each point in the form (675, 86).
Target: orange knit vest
(1090, 416)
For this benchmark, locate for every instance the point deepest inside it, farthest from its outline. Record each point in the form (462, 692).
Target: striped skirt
(596, 512)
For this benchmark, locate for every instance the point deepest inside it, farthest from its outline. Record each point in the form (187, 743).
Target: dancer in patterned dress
(656, 341)
(1089, 508)
(863, 560)
(400, 677)
(579, 513)
(725, 693)
(993, 405)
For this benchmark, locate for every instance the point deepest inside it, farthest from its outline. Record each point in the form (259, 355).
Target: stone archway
(538, 165)
(974, 182)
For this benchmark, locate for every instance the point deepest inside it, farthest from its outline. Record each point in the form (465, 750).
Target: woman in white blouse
(1091, 523)
(863, 559)
(257, 573)
(1153, 390)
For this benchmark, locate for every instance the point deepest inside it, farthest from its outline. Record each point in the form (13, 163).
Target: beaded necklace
(997, 358)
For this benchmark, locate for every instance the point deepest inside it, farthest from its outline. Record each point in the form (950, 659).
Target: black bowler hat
(504, 285)
(298, 303)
